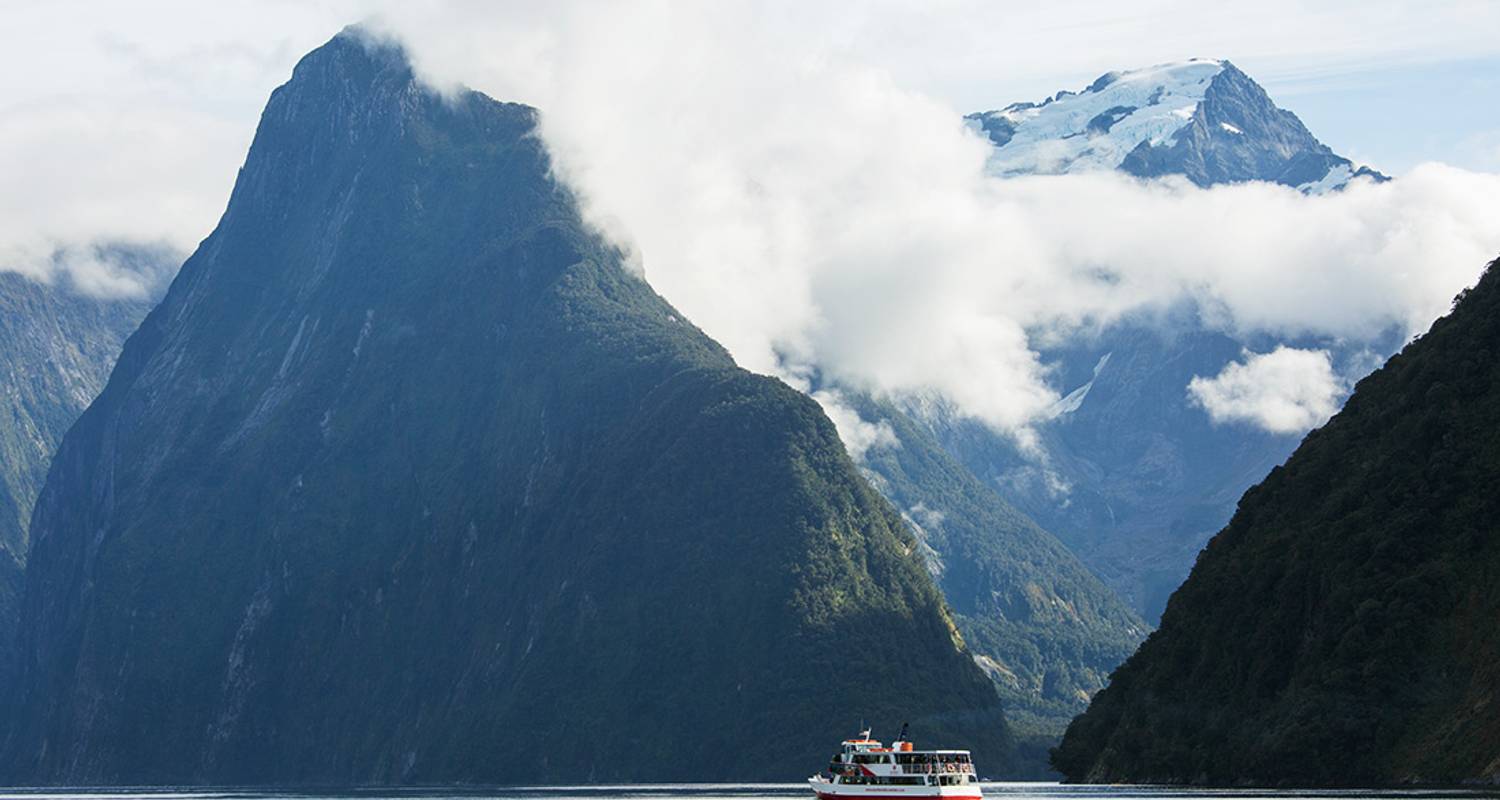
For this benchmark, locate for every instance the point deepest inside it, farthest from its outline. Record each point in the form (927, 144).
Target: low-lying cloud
(1284, 391)
(858, 434)
(111, 271)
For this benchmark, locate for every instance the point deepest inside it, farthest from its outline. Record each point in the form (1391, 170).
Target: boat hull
(889, 793)
(840, 791)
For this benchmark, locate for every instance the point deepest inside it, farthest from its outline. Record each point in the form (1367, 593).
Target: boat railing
(938, 768)
(921, 768)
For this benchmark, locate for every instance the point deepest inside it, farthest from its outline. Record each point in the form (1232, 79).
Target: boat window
(882, 780)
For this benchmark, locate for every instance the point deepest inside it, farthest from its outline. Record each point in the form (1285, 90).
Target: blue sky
(1393, 83)
(1399, 116)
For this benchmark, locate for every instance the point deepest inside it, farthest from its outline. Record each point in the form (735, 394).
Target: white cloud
(859, 435)
(783, 179)
(1286, 391)
(810, 213)
(126, 123)
(115, 270)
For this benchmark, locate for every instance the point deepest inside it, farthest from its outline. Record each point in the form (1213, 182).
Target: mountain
(57, 345)
(1342, 629)
(1201, 119)
(1042, 626)
(12, 573)
(408, 470)
(1147, 475)
(1134, 475)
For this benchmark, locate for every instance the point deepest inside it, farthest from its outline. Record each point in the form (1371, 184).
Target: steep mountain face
(1202, 119)
(407, 471)
(11, 576)
(1343, 628)
(57, 345)
(1136, 476)
(1044, 628)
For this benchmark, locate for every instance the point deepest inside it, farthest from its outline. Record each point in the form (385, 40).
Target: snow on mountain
(1202, 118)
(1135, 477)
(1097, 128)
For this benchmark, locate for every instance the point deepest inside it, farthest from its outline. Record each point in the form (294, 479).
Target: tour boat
(864, 769)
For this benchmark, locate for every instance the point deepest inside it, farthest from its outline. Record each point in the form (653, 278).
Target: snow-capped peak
(1202, 119)
(1097, 127)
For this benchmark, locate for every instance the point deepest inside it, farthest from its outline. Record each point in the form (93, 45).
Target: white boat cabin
(866, 762)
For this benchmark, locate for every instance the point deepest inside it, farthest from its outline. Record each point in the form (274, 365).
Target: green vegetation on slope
(1342, 630)
(408, 474)
(57, 346)
(1044, 628)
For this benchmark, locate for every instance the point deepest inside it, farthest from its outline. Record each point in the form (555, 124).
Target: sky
(795, 176)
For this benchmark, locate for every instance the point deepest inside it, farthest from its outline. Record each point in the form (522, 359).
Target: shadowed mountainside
(1344, 629)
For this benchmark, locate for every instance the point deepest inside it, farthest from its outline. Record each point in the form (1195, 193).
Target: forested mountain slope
(1042, 626)
(1344, 629)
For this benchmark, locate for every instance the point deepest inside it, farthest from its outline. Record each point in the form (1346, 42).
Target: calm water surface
(720, 791)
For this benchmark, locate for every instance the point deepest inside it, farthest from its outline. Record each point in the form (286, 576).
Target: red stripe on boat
(922, 796)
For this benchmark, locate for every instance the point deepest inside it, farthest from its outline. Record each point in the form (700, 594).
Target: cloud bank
(123, 125)
(816, 217)
(1284, 391)
(108, 271)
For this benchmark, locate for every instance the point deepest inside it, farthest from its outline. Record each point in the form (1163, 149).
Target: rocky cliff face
(408, 472)
(57, 345)
(1342, 629)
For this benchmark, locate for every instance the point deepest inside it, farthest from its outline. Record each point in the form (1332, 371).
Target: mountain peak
(1204, 119)
(353, 115)
(362, 83)
(356, 44)
(353, 74)
(406, 430)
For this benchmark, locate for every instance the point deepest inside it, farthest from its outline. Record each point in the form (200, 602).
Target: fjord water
(761, 791)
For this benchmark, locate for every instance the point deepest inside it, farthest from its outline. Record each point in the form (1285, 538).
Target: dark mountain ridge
(408, 472)
(1344, 629)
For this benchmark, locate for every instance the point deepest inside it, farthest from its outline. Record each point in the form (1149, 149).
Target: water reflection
(720, 791)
